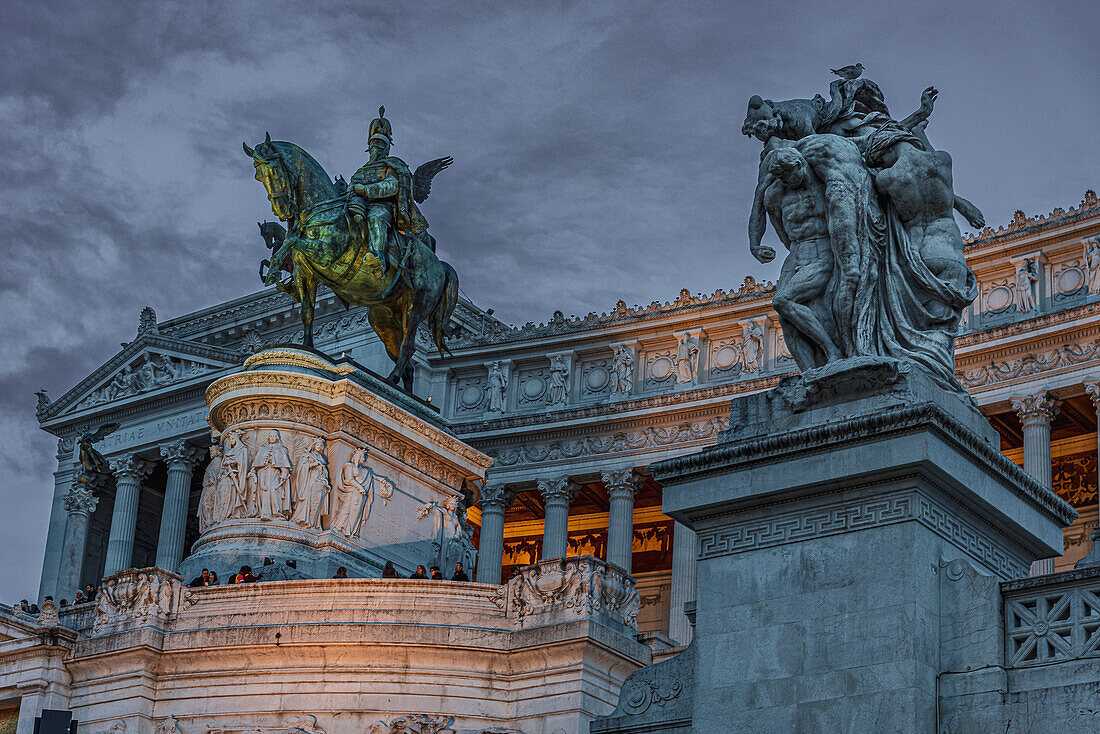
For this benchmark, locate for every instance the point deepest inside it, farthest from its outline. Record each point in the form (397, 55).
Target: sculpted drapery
(270, 477)
(312, 486)
(353, 496)
(865, 206)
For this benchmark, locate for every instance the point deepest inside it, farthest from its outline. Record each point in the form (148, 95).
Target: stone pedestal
(325, 465)
(824, 519)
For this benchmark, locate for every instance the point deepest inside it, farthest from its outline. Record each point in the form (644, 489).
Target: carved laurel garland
(1063, 356)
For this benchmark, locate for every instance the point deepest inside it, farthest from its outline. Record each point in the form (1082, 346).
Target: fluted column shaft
(128, 471)
(1036, 412)
(495, 500)
(181, 460)
(55, 537)
(79, 503)
(556, 496)
(622, 485)
(1092, 389)
(685, 551)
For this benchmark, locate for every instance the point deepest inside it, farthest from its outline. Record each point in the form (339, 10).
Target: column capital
(179, 455)
(80, 500)
(1036, 409)
(132, 467)
(623, 482)
(562, 489)
(1092, 389)
(496, 496)
(65, 448)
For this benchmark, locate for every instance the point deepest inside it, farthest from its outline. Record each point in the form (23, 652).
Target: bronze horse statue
(414, 286)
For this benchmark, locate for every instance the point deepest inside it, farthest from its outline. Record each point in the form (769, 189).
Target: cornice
(1022, 225)
(620, 315)
(896, 421)
(1084, 318)
(539, 419)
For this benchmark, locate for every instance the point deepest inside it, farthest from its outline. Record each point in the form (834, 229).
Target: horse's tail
(441, 316)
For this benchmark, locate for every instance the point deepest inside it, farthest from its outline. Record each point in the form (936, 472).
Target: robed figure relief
(270, 477)
(352, 496)
(448, 546)
(208, 500)
(312, 486)
(233, 494)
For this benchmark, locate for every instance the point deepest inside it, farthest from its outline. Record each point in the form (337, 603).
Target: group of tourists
(83, 596)
(389, 571)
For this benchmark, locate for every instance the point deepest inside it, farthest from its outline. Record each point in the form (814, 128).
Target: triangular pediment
(151, 363)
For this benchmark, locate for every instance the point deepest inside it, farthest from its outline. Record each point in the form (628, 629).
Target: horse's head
(273, 173)
(293, 179)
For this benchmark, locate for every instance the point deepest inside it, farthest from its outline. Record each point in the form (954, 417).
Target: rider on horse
(382, 198)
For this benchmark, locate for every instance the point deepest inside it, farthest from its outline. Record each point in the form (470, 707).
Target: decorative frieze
(1062, 356)
(150, 372)
(782, 528)
(579, 586)
(138, 597)
(621, 442)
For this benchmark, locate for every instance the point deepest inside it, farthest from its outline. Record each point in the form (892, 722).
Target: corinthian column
(495, 499)
(1092, 389)
(556, 496)
(181, 460)
(622, 485)
(685, 550)
(79, 503)
(1036, 411)
(128, 471)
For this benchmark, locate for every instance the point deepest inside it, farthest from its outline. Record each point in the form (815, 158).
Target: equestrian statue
(368, 242)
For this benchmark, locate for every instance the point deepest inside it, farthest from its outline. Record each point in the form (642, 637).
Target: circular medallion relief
(999, 297)
(596, 379)
(1070, 280)
(725, 357)
(533, 388)
(661, 368)
(470, 396)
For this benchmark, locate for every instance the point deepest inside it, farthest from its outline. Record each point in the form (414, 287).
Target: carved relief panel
(469, 395)
(660, 367)
(531, 386)
(596, 376)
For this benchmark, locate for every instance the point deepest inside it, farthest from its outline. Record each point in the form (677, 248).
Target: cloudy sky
(597, 151)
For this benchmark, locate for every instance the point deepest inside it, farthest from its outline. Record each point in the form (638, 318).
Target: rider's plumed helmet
(380, 129)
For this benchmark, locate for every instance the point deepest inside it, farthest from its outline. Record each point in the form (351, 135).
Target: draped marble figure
(208, 500)
(312, 486)
(271, 478)
(233, 491)
(865, 206)
(353, 496)
(447, 531)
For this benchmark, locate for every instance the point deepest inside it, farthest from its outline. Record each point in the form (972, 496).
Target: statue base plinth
(829, 517)
(284, 403)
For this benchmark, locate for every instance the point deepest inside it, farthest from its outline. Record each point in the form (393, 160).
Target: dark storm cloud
(597, 147)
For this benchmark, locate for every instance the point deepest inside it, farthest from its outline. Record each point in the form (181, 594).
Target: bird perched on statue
(849, 72)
